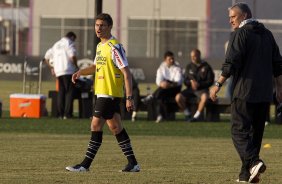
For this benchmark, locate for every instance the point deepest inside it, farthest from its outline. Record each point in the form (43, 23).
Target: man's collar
(244, 22)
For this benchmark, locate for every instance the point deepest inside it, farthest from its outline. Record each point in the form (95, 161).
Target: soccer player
(112, 73)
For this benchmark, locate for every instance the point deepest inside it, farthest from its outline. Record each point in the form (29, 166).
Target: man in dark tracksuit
(198, 77)
(252, 58)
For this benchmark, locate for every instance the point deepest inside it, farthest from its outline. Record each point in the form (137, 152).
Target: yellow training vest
(108, 77)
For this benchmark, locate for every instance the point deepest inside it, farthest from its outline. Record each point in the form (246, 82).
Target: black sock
(125, 145)
(93, 146)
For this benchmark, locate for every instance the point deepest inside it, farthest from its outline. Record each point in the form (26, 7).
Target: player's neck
(106, 38)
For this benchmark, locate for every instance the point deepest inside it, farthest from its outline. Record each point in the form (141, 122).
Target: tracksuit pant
(65, 96)
(248, 121)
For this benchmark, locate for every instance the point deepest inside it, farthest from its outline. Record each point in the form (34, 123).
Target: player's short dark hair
(71, 35)
(197, 51)
(168, 54)
(105, 17)
(244, 8)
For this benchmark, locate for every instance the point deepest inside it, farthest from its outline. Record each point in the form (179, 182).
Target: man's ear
(245, 16)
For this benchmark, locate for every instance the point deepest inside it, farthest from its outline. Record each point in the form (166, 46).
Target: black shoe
(194, 120)
(188, 118)
(131, 168)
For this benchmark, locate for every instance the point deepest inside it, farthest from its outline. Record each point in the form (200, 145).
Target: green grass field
(38, 150)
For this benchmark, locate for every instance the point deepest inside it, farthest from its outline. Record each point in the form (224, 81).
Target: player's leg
(180, 100)
(69, 97)
(95, 142)
(201, 105)
(61, 97)
(241, 129)
(122, 137)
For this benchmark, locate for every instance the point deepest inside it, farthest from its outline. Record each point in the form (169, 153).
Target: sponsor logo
(10, 68)
(24, 104)
(98, 69)
(117, 75)
(100, 63)
(100, 58)
(100, 77)
(118, 57)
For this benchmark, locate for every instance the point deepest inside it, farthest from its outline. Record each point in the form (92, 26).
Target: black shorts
(106, 107)
(189, 93)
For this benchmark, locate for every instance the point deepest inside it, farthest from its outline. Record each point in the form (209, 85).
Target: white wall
(174, 9)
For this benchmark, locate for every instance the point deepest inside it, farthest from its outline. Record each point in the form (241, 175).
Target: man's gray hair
(243, 7)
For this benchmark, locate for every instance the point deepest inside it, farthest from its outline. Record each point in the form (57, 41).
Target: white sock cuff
(197, 114)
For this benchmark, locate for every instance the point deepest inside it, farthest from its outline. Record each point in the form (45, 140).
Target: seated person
(198, 77)
(169, 82)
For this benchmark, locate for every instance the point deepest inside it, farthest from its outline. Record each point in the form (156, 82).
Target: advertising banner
(11, 68)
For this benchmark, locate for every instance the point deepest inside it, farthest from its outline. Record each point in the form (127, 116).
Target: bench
(212, 109)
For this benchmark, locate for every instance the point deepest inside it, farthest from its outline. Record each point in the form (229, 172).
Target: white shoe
(147, 99)
(133, 117)
(159, 118)
(131, 168)
(256, 170)
(240, 181)
(77, 168)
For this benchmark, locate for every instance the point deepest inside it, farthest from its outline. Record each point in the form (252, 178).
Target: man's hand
(130, 105)
(75, 76)
(213, 91)
(194, 85)
(165, 84)
(278, 85)
(53, 72)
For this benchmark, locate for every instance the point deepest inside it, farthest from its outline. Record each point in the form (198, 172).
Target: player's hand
(130, 105)
(53, 72)
(194, 84)
(164, 84)
(279, 94)
(213, 91)
(75, 76)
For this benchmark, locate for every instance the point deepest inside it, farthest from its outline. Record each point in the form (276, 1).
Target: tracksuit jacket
(251, 50)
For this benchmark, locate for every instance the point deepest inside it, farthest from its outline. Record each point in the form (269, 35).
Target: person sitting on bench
(198, 77)
(169, 82)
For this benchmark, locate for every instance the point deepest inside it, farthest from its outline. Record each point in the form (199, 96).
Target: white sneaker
(131, 168)
(240, 181)
(147, 99)
(256, 170)
(77, 168)
(159, 119)
(133, 117)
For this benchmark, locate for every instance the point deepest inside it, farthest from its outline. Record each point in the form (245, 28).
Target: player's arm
(86, 71)
(216, 88)
(47, 58)
(120, 60)
(74, 60)
(128, 88)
